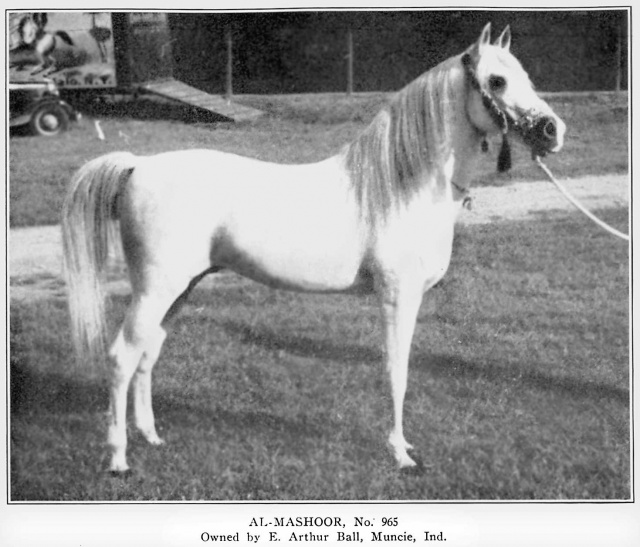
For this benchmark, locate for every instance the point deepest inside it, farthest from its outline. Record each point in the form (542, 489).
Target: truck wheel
(49, 120)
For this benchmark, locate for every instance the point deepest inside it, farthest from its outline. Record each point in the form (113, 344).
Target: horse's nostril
(550, 129)
(546, 129)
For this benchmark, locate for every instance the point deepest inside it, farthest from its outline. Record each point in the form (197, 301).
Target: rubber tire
(39, 124)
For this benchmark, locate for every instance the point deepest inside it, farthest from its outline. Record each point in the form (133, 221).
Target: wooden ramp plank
(179, 91)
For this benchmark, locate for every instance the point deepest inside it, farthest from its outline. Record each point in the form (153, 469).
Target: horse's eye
(497, 83)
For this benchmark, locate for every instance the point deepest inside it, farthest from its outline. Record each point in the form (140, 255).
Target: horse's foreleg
(400, 305)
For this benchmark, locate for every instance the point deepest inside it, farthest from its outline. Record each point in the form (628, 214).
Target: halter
(524, 124)
(527, 125)
(499, 116)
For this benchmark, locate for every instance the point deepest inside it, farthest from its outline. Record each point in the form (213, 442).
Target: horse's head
(502, 97)
(28, 30)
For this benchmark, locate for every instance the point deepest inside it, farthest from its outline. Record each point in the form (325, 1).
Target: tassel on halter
(504, 157)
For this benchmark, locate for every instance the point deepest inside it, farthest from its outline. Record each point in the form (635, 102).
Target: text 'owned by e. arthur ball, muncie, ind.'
(328, 530)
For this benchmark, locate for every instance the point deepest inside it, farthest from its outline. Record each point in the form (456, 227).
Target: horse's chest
(420, 243)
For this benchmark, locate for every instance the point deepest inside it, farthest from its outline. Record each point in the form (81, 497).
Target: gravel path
(35, 253)
(523, 201)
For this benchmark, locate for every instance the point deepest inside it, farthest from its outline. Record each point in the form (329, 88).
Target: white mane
(388, 162)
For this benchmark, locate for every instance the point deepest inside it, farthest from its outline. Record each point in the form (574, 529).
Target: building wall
(296, 52)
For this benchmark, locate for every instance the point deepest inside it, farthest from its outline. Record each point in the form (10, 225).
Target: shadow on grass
(33, 393)
(20, 131)
(36, 392)
(302, 346)
(435, 364)
(504, 372)
(186, 415)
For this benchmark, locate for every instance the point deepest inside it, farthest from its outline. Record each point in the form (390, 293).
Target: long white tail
(88, 231)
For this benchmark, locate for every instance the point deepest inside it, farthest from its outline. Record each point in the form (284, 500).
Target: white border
(463, 524)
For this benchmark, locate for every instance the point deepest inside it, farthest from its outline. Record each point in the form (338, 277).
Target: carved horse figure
(378, 217)
(36, 44)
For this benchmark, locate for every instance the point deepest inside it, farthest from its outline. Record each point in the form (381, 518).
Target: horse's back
(295, 226)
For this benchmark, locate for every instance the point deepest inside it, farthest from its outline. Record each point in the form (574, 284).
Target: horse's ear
(40, 19)
(485, 36)
(485, 39)
(504, 40)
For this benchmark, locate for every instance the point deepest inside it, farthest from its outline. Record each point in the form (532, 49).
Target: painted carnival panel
(74, 49)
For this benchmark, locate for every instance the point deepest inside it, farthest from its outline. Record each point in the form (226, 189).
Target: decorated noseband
(534, 127)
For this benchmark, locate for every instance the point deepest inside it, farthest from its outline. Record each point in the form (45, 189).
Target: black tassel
(504, 157)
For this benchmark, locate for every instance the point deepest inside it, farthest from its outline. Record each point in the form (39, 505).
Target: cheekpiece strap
(496, 113)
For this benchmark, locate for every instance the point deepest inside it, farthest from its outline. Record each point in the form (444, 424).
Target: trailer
(87, 54)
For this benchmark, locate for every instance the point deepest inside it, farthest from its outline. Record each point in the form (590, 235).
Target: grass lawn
(519, 383)
(295, 129)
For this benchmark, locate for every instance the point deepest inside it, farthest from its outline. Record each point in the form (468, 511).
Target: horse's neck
(454, 166)
(464, 153)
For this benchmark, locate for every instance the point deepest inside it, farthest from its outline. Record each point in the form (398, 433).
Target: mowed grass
(295, 129)
(519, 386)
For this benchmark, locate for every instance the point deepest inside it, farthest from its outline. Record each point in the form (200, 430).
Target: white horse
(377, 217)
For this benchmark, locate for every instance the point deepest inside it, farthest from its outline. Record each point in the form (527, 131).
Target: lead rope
(577, 204)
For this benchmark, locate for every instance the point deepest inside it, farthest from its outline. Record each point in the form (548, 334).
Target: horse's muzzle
(543, 134)
(546, 129)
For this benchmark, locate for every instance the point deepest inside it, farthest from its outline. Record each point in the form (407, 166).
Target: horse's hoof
(118, 474)
(156, 441)
(414, 470)
(151, 437)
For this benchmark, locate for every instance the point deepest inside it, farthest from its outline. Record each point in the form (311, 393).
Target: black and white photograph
(319, 275)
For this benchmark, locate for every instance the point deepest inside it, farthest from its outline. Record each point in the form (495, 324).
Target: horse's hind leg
(133, 354)
(142, 405)
(155, 335)
(124, 357)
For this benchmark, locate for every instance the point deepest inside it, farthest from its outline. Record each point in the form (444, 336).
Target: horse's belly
(298, 276)
(298, 261)
(301, 251)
